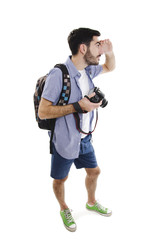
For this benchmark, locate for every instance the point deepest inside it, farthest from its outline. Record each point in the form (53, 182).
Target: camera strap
(77, 119)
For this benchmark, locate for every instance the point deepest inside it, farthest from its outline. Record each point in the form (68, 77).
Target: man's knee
(93, 172)
(60, 181)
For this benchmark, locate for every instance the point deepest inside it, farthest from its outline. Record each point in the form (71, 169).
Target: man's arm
(107, 49)
(48, 111)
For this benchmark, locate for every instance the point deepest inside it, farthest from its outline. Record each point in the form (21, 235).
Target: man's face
(94, 51)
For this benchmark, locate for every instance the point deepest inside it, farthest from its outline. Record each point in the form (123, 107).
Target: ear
(83, 49)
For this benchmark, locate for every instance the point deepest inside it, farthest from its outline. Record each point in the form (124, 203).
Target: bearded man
(69, 145)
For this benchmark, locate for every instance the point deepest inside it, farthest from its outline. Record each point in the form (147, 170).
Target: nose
(101, 50)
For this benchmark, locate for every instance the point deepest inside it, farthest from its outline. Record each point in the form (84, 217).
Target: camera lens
(104, 103)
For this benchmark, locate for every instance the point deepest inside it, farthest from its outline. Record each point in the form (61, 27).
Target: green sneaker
(99, 209)
(68, 220)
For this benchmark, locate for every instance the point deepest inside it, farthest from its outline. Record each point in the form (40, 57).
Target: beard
(90, 59)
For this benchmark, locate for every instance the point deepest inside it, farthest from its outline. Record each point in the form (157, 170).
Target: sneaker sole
(105, 215)
(70, 229)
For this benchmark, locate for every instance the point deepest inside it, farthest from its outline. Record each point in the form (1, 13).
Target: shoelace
(68, 215)
(100, 207)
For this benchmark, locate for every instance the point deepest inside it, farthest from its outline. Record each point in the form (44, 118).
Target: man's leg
(91, 183)
(59, 190)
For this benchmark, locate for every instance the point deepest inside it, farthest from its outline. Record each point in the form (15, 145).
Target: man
(69, 145)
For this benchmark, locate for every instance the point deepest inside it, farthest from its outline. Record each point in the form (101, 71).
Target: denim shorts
(60, 166)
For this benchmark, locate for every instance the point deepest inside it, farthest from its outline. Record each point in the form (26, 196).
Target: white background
(33, 39)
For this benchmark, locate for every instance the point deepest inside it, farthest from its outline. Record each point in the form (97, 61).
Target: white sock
(90, 205)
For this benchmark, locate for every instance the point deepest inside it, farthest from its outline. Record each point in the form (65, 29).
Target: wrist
(109, 54)
(78, 108)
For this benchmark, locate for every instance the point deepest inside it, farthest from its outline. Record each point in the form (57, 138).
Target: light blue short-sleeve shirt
(66, 137)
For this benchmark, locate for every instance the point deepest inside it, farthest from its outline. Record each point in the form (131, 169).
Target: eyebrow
(97, 43)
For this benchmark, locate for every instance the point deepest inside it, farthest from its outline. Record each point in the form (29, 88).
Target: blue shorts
(60, 166)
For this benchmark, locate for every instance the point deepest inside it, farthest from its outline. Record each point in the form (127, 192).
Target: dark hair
(79, 36)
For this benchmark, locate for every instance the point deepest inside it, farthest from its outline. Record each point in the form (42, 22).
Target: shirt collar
(71, 67)
(73, 70)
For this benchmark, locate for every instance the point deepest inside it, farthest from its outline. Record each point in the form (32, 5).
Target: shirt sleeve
(94, 70)
(53, 86)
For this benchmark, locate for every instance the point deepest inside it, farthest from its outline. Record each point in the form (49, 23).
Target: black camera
(98, 97)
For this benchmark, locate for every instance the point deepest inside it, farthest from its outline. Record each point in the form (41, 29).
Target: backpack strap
(64, 96)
